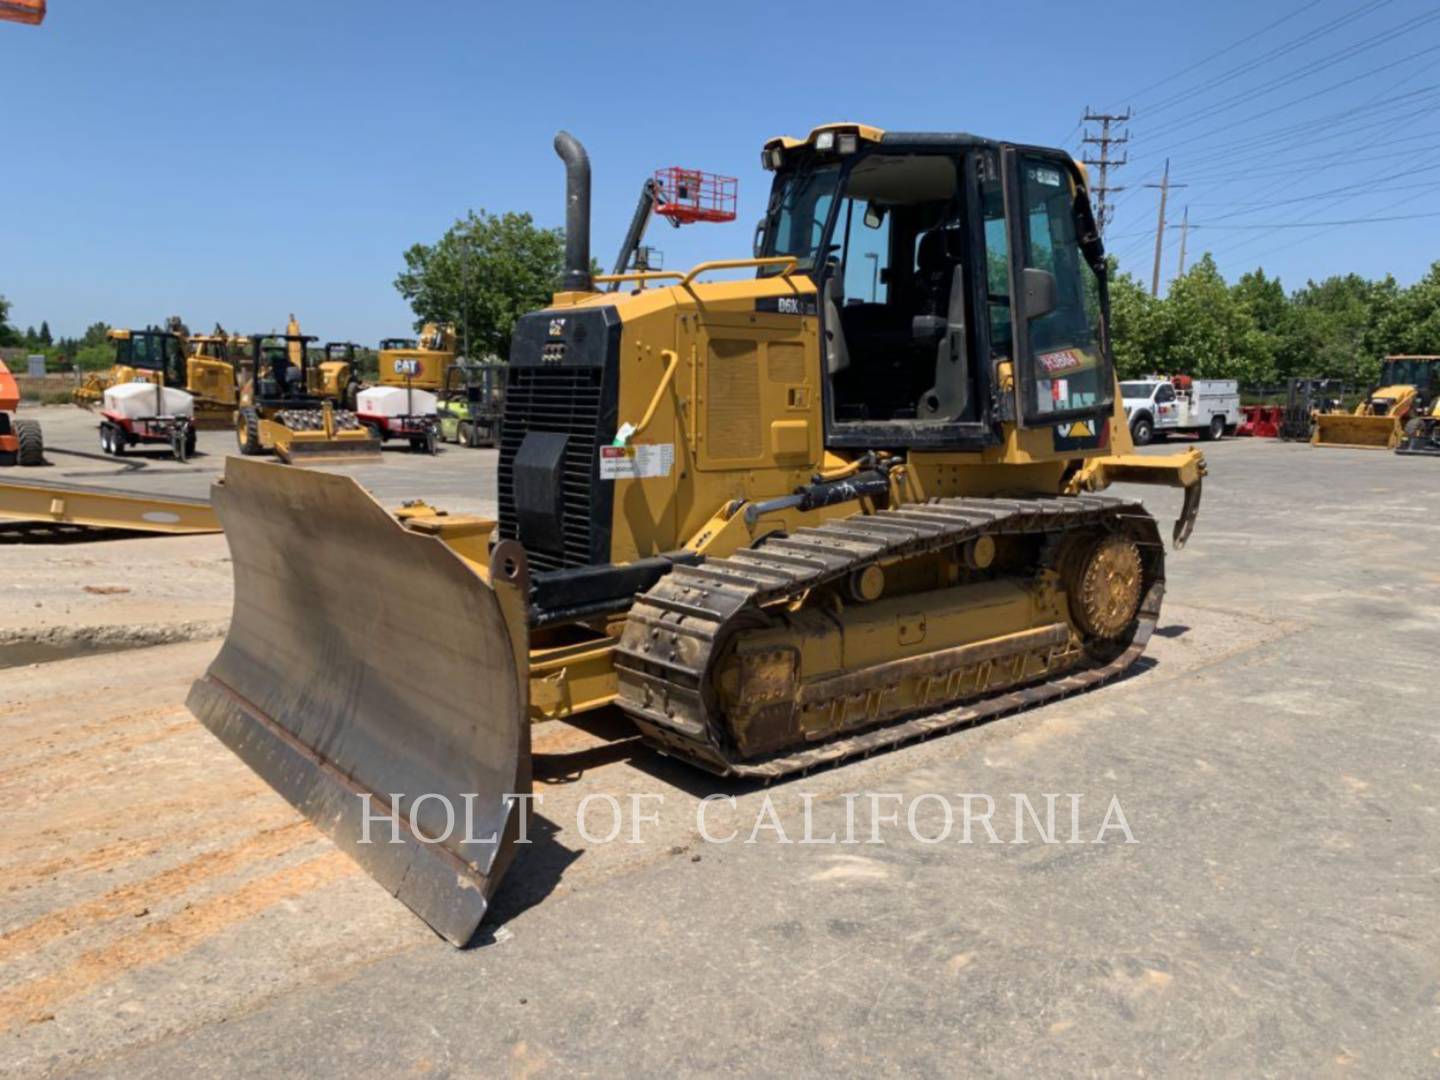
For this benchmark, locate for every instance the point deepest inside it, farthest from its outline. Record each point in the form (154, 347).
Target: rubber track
(677, 629)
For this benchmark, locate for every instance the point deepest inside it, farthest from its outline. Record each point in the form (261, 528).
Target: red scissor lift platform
(689, 195)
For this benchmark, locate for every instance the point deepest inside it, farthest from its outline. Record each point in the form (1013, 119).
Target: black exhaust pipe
(577, 212)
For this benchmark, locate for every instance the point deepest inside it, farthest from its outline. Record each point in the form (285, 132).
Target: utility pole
(1184, 235)
(465, 293)
(1105, 162)
(1164, 187)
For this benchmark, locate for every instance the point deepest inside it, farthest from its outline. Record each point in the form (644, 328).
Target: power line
(1323, 224)
(1282, 50)
(1227, 49)
(1250, 95)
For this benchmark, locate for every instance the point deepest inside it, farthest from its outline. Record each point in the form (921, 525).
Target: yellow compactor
(291, 404)
(1407, 384)
(841, 502)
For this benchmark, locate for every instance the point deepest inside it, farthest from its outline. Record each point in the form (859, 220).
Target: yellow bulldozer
(290, 405)
(1407, 385)
(202, 366)
(842, 503)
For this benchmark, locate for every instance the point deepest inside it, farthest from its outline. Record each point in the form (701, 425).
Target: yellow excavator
(1379, 422)
(421, 362)
(845, 502)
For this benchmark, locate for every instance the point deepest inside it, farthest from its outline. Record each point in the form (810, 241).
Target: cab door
(1060, 347)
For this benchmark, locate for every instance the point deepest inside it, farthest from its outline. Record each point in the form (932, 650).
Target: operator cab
(908, 240)
(152, 350)
(341, 352)
(282, 370)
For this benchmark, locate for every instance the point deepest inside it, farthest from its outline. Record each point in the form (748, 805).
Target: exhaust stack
(577, 212)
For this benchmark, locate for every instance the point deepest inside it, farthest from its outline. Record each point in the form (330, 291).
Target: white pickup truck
(1205, 407)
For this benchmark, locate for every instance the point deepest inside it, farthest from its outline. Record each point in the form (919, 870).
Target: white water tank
(138, 401)
(392, 401)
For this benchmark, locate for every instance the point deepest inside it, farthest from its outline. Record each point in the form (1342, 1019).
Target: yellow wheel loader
(1379, 422)
(288, 406)
(844, 502)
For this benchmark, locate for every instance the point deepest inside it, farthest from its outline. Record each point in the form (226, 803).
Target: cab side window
(865, 254)
(1067, 367)
(1165, 394)
(997, 262)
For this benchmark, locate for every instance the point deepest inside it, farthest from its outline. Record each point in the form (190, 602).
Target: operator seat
(935, 266)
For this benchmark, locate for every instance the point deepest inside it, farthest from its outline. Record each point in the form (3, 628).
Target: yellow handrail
(790, 262)
(639, 275)
(672, 361)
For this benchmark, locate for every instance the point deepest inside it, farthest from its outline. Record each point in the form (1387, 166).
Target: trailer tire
(1142, 431)
(31, 449)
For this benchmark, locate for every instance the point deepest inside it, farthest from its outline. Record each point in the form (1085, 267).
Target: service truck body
(1205, 407)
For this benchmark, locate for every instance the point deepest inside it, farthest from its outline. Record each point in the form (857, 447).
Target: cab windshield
(1410, 372)
(1136, 389)
(799, 208)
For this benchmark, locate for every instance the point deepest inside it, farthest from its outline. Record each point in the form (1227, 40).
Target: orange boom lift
(23, 11)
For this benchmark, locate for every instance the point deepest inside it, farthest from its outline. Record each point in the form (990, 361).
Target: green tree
(1134, 324)
(94, 357)
(483, 274)
(1264, 300)
(1408, 321)
(8, 334)
(44, 337)
(1208, 333)
(95, 334)
(1339, 333)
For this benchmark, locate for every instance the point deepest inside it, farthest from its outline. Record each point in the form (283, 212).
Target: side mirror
(757, 245)
(1039, 291)
(928, 329)
(874, 215)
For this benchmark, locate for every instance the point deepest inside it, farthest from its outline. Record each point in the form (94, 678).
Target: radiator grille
(732, 389)
(566, 401)
(786, 362)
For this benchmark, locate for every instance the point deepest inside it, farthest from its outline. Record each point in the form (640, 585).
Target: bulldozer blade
(366, 663)
(304, 451)
(1356, 432)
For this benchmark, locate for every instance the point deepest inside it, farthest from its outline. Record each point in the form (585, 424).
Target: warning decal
(1064, 360)
(637, 462)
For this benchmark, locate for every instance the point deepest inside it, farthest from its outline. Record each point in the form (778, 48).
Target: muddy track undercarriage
(743, 666)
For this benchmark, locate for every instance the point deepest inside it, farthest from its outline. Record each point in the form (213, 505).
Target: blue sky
(242, 161)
